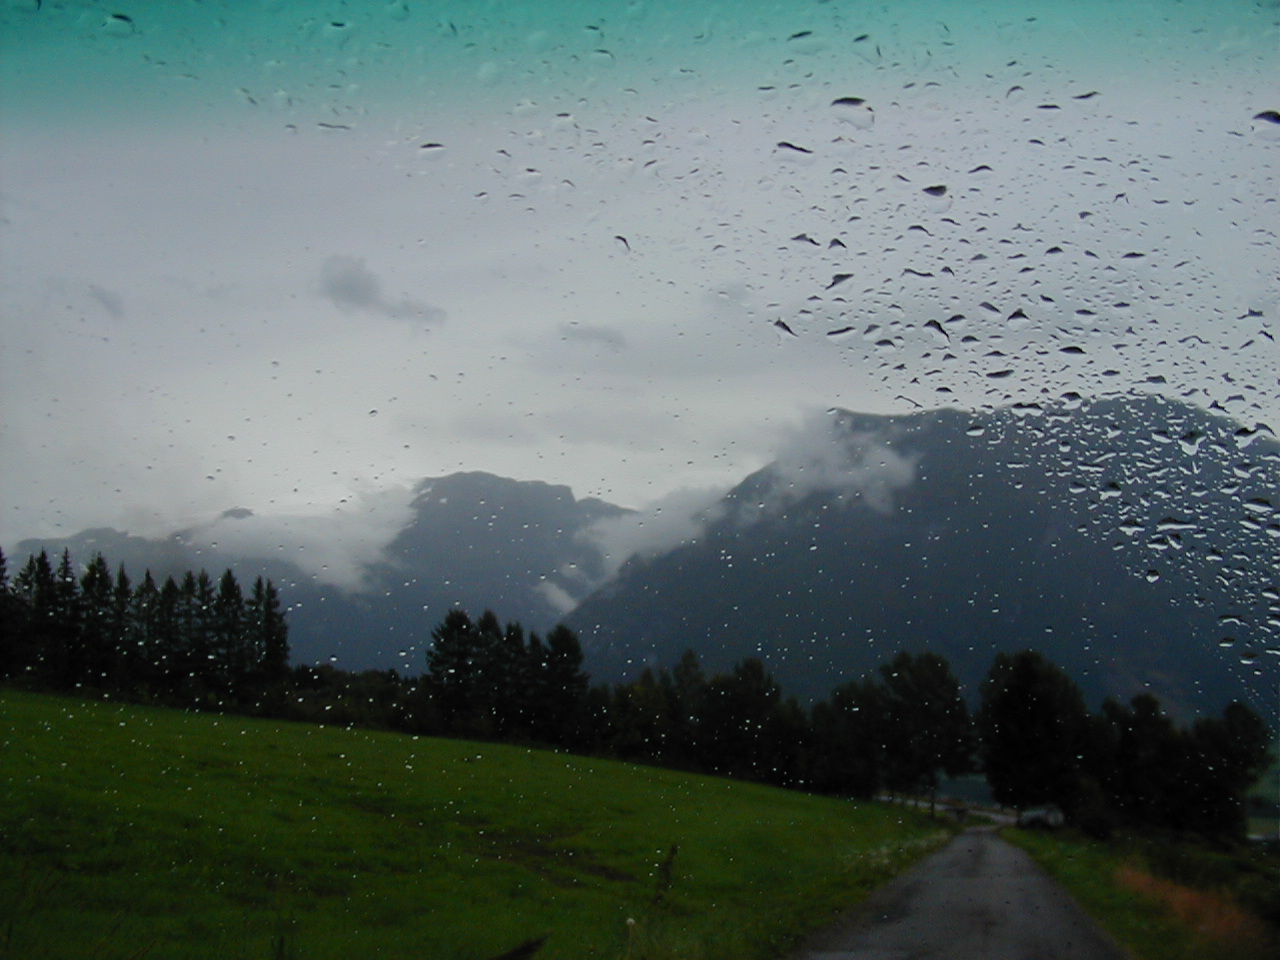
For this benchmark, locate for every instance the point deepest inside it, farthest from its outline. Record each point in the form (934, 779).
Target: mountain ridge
(1101, 531)
(1050, 528)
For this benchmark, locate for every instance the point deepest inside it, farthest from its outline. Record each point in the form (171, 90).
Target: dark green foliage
(1033, 724)
(747, 729)
(206, 644)
(896, 733)
(1189, 779)
(192, 644)
(268, 639)
(484, 680)
(658, 717)
(1128, 765)
(847, 747)
(927, 730)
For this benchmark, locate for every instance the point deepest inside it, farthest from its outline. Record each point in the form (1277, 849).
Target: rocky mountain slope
(1134, 542)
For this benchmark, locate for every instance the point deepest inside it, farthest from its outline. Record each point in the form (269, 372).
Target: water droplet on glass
(1266, 125)
(855, 111)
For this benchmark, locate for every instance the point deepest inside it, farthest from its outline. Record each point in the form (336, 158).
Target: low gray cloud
(594, 335)
(110, 301)
(336, 546)
(349, 283)
(677, 518)
(824, 455)
(821, 454)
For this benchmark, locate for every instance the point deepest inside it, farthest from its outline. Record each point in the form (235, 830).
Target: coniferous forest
(196, 643)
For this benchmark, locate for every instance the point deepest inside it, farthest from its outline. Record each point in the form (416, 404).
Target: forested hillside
(899, 728)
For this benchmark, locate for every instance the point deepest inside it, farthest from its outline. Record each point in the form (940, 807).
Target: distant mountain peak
(1098, 531)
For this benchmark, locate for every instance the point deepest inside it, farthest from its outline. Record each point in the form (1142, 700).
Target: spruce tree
(146, 653)
(98, 640)
(1033, 728)
(927, 727)
(455, 662)
(228, 659)
(270, 638)
(15, 653)
(122, 672)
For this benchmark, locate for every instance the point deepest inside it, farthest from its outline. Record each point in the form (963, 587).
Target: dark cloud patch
(353, 287)
(111, 302)
(594, 335)
(350, 284)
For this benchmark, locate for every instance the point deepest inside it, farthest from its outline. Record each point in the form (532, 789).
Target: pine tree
(228, 658)
(847, 753)
(43, 644)
(927, 727)
(123, 670)
(67, 661)
(170, 634)
(15, 653)
(269, 643)
(640, 726)
(739, 724)
(98, 640)
(454, 664)
(562, 688)
(1033, 727)
(146, 652)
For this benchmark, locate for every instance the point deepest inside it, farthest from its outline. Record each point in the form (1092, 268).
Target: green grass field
(130, 832)
(1198, 913)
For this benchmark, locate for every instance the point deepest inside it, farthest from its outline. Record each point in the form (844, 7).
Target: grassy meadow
(131, 832)
(1165, 899)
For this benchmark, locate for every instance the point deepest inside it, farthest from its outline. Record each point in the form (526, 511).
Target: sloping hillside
(127, 831)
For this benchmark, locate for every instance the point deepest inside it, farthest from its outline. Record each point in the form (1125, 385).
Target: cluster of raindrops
(975, 206)
(1175, 491)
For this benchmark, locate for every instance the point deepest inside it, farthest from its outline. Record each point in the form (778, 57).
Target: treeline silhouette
(186, 642)
(192, 643)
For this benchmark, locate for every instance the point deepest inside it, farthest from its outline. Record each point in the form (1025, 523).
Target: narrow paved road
(979, 898)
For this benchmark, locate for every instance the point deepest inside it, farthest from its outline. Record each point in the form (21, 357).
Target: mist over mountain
(365, 598)
(1134, 541)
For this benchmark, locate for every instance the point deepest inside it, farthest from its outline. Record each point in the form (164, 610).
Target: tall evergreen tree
(927, 728)
(562, 688)
(66, 663)
(124, 671)
(99, 639)
(847, 753)
(269, 634)
(41, 649)
(146, 652)
(228, 665)
(743, 728)
(1033, 727)
(171, 629)
(15, 650)
(460, 669)
(684, 690)
(639, 724)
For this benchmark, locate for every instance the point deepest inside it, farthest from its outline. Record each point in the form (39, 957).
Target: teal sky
(292, 256)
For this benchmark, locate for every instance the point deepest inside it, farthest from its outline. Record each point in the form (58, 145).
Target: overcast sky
(293, 256)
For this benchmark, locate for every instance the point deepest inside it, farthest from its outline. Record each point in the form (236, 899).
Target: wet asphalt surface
(979, 898)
